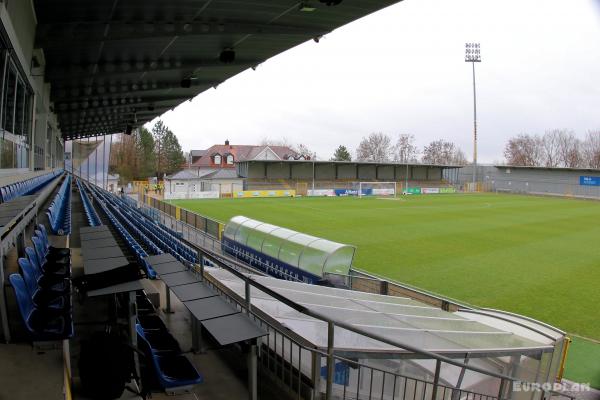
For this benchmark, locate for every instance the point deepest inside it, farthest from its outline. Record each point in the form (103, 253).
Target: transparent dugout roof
(400, 319)
(308, 253)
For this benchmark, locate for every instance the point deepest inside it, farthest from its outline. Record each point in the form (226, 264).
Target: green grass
(531, 255)
(582, 362)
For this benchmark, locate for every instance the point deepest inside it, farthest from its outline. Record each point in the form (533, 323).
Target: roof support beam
(111, 69)
(117, 94)
(54, 34)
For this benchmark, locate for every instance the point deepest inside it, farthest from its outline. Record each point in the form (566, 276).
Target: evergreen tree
(145, 153)
(172, 151)
(341, 154)
(169, 157)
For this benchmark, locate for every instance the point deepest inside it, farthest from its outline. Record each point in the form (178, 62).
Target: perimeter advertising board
(244, 194)
(589, 180)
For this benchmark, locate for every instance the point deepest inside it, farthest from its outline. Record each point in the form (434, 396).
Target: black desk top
(101, 253)
(96, 235)
(160, 259)
(233, 328)
(179, 278)
(103, 265)
(210, 307)
(169, 268)
(96, 244)
(193, 291)
(119, 288)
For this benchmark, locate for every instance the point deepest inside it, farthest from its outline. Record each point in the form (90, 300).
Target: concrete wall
(278, 170)
(324, 172)
(198, 185)
(367, 172)
(386, 173)
(561, 182)
(419, 173)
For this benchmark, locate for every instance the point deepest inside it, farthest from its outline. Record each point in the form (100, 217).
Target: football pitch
(535, 256)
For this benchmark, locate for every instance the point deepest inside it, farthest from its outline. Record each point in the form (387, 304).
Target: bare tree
(267, 141)
(524, 150)
(591, 149)
(405, 149)
(550, 145)
(569, 149)
(303, 150)
(459, 158)
(444, 153)
(376, 147)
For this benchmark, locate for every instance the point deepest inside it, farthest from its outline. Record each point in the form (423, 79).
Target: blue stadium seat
(171, 371)
(59, 212)
(43, 235)
(40, 297)
(40, 324)
(46, 279)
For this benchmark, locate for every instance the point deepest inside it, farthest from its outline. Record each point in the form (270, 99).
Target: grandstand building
(100, 292)
(303, 175)
(563, 182)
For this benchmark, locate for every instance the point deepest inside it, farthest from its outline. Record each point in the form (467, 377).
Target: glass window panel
(19, 108)
(245, 230)
(9, 99)
(340, 261)
(232, 226)
(272, 244)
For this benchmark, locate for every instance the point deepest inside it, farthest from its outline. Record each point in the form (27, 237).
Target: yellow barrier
(563, 361)
(178, 213)
(244, 194)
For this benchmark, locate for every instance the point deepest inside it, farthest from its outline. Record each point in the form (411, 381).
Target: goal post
(387, 189)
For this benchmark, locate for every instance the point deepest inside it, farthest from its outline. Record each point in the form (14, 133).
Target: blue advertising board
(341, 374)
(589, 180)
(352, 192)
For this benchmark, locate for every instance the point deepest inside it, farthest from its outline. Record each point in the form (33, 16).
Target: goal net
(377, 189)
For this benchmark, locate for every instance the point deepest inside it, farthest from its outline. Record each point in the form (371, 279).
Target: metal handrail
(305, 310)
(248, 281)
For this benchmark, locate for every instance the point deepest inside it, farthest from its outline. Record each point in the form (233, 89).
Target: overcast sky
(402, 70)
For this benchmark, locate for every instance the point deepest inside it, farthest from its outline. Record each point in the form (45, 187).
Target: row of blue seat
(90, 212)
(112, 214)
(43, 290)
(163, 366)
(26, 187)
(147, 234)
(160, 234)
(59, 212)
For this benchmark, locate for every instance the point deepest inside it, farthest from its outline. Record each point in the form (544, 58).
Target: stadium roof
(114, 64)
(399, 318)
(377, 163)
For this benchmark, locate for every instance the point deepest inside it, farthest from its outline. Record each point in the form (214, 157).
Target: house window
(179, 184)
(230, 159)
(217, 159)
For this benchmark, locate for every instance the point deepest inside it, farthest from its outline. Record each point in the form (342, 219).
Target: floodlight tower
(473, 55)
